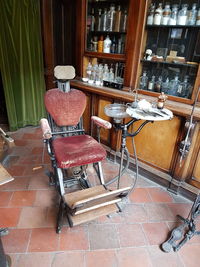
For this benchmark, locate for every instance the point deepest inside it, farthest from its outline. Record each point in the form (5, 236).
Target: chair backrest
(66, 108)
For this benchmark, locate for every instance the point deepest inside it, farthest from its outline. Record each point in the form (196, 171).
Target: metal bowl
(116, 111)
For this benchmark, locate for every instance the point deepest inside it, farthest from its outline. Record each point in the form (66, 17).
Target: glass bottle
(101, 74)
(183, 15)
(166, 15)
(119, 46)
(151, 15)
(100, 44)
(104, 20)
(198, 17)
(92, 20)
(158, 85)
(111, 18)
(143, 81)
(111, 75)
(117, 19)
(95, 43)
(107, 44)
(151, 83)
(184, 86)
(97, 77)
(165, 86)
(158, 15)
(192, 15)
(113, 46)
(98, 21)
(123, 23)
(89, 71)
(173, 86)
(174, 15)
(105, 73)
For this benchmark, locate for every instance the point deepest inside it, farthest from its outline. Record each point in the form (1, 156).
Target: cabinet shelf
(173, 26)
(107, 32)
(170, 63)
(116, 57)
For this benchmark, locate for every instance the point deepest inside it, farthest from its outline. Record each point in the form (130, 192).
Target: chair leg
(60, 216)
(101, 174)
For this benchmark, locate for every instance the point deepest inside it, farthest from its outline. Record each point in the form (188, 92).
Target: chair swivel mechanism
(71, 150)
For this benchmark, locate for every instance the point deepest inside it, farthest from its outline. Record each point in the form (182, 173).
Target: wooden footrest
(93, 198)
(92, 215)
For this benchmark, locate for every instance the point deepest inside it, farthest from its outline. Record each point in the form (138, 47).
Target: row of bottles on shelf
(103, 74)
(109, 20)
(173, 87)
(173, 15)
(106, 45)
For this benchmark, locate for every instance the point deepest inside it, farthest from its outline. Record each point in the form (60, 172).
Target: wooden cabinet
(169, 59)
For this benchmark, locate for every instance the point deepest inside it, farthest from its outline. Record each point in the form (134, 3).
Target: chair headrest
(64, 72)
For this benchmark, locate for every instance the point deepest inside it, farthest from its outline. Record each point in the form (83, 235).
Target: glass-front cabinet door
(171, 49)
(105, 42)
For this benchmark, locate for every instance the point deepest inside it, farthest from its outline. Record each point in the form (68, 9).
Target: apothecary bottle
(92, 20)
(151, 15)
(111, 18)
(98, 21)
(151, 83)
(117, 19)
(173, 86)
(107, 45)
(158, 84)
(143, 81)
(174, 15)
(165, 86)
(166, 15)
(123, 23)
(192, 15)
(104, 20)
(158, 15)
(89, 71)
(183, 15)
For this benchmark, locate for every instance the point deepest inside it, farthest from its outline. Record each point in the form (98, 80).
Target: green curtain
(21, 61)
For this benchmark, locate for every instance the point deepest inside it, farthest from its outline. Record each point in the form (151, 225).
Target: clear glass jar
(105, 73)
(98, 21)
(158, 15)
(123, 22)
(151, 83)
(183, 15)
(174, 86)
(165, 86)
(192, 15)
(166, 15)
(174, 15)
(151, 15)
(143, 81)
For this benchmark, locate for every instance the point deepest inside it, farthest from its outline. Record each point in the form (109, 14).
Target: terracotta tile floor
(28, 206)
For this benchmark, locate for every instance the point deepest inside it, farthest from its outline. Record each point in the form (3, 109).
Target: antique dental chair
(71, 150)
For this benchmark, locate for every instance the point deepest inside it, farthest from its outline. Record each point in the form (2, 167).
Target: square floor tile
(160, 195)
(35, 260)
(9, 217)
(103, 236)
(43, 240)
(101, 258)
(16, 241)
(33, 217)
(69, 259)
(74, 238)
(156, 233)
(22, 198)
(140, 195)
(131, 235)
(5, 198)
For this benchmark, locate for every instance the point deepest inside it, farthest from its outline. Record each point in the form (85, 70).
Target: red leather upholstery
(65, 108)
(77, 150)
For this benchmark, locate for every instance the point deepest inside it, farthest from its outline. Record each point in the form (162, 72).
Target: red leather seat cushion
(77, 150)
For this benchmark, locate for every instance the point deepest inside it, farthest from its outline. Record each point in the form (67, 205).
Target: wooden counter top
(177, 108)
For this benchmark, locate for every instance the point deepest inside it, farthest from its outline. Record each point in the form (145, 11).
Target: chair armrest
(101, 123)
(46, 130)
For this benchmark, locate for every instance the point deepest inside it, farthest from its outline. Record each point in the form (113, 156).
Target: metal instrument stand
(185, 231)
